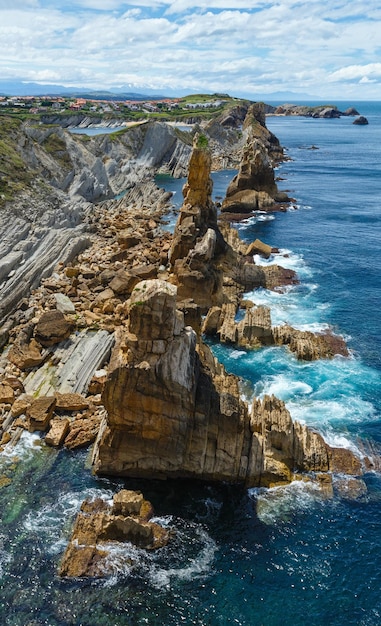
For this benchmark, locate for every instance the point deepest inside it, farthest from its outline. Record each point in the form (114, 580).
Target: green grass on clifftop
(14, 173)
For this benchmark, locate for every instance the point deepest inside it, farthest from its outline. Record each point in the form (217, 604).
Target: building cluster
(41, 104)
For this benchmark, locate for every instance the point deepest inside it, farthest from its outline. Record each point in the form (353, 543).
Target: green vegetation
(197, 106)
(14, 174)
(56, 146)
(202, 142)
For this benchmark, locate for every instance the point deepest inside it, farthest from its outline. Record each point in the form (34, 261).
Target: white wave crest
(50, 521)
(186, 568)
(281, 503)
(189, 555)
(282, 387)
(24, 449)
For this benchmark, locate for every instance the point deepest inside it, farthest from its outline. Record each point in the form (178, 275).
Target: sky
(325, 48)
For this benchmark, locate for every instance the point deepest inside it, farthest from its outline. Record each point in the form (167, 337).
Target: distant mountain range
(19, 88)
(22, 88)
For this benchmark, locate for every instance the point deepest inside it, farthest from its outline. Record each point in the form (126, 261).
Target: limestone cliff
(52, 179)
(173, 411)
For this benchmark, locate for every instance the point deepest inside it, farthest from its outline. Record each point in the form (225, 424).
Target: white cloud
(365, 80)
(221, 45)
(354, 72)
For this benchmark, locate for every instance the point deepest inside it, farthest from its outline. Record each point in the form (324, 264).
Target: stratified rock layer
(99, 526)
(173, 411)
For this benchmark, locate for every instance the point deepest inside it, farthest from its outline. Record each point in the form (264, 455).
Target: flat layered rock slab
(72, 364)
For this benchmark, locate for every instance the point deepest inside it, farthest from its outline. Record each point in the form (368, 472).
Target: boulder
(123, 282)
(70, 402)
(26, 355)
(258, 247)
(63, 303)
(52, 328)
(7, 394)
(40, 412)
(15, 383)
(126, 239)
(361, 121)
(104, 296)
(21, 405)
(83, 431)
(59, 427)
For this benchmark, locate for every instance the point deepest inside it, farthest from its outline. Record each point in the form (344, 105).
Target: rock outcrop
(255, 330)
(173, 411)
(197, 240)
(320, 111)
(100, 526)
(254, 187)
(310, 346)
(209, 263)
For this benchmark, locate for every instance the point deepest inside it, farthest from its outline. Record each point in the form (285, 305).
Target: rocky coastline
(104, 316)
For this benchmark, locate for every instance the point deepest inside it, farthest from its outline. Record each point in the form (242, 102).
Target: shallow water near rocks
(282, 556)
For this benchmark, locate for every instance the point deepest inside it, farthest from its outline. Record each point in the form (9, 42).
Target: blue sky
(242, 47)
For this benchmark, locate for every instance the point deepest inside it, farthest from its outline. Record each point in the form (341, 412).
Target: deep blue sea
(278, 557)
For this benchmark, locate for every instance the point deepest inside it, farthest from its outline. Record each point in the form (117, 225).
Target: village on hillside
(60, 104)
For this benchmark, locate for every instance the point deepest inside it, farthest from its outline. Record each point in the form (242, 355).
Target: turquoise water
(102, 130)
(282, 557)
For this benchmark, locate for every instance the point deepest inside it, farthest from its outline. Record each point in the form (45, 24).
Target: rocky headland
(324, 111)
(104, 315)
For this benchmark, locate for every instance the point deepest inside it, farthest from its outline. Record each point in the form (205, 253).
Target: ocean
(278, 557)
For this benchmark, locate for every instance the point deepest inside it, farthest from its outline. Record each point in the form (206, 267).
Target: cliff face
(103, 165)
(173, 411)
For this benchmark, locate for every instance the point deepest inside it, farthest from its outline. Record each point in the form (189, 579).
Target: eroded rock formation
(255, 330)
(100, 526)
(172, 408)
(254, 187)
(209, 263)
(173, 411)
